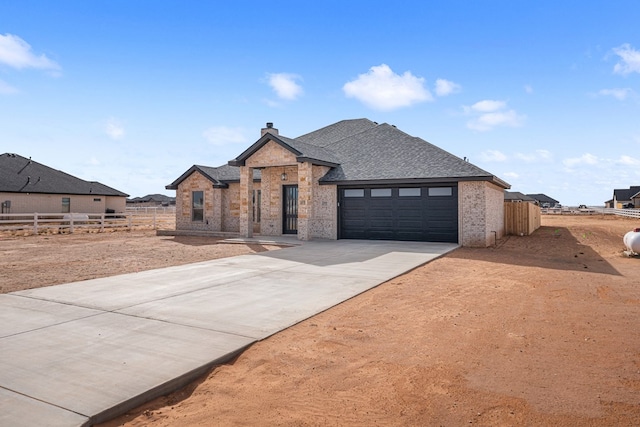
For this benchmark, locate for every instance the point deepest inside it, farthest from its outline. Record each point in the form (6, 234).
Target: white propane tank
(632, 240)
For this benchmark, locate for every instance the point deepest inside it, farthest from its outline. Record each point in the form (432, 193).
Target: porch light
(283, 176)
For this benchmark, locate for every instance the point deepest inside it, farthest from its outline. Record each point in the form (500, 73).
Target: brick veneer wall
(221, 205)
(271, 208)
(325, 207)
(481, 213)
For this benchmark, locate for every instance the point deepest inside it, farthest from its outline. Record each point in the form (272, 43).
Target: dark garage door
(428, 214)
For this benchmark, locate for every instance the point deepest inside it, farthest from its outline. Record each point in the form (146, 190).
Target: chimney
(269, 129)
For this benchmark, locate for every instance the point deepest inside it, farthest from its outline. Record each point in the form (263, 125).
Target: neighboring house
(151, 200)
(635, 199)
(623, 198)
(516, 196)
(544, 201)
(354, 179)
(27, 186)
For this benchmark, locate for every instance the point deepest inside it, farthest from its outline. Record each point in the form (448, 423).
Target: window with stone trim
(197, 206)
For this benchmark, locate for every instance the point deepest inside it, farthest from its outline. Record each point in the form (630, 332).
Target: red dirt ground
(541, 330)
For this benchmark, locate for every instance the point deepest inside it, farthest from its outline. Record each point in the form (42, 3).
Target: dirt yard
(541, 330)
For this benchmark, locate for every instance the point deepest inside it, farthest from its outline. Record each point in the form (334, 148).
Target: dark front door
(290, 209)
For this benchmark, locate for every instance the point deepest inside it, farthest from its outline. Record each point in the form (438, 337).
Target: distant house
(516, 196)
(543, 200)
(624, 198)
(354, 179)
(151, 200)
(27, 186)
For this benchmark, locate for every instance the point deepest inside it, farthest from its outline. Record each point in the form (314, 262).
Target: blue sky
(544, 94)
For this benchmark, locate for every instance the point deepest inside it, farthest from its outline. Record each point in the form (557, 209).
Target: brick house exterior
(352, 179)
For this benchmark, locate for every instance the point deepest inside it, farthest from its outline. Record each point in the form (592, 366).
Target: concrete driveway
(81, 353)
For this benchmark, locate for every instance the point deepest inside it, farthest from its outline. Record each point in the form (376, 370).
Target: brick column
(246, 201)
(216, 220)
(305, 200)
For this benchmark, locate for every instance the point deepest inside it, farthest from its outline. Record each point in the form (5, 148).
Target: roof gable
(220, 176)
(21, 175)
(302, 151)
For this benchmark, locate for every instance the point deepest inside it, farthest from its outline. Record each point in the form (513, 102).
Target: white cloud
(629, 60)
(17, 53)
(7, 89)
(380, 88)
(285, 85)
(493, 156)
(446, 87)
(488, 106)
(490, 114)
(629, 161)
(528, 88)
(114, 129)
(222, 135)
(585, 159)
(620, 94)
(511, 175)
(536, 156)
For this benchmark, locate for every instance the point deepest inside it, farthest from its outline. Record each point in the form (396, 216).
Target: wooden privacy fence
(521, 219)
(69, 222)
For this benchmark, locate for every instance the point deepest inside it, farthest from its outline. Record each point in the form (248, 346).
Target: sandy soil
(541, 330)
(34, 261)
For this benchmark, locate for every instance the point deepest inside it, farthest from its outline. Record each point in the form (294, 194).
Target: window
(257, 199)
(440, 191)
(66, 205)
(380, 192)
(197, 206)
(409, 192)
(356, 192)
(97, 199)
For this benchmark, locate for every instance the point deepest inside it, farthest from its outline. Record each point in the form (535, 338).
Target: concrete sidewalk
(81, 353)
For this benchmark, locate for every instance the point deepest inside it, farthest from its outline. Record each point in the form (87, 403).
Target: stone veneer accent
(324, 224)
(480, 213)
(221, 205)
(317, 204)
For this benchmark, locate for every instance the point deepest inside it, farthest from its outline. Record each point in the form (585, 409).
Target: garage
(427, 213)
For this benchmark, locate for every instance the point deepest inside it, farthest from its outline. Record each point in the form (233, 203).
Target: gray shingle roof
(360, 150)
(21, 175)
(516, 195)
(625, 194)
(384, 152)
(220, 176)
(543, 198)
(337, 131)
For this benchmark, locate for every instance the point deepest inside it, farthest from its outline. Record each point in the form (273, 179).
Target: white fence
(69, 222)
(151, 209)
(632, 213)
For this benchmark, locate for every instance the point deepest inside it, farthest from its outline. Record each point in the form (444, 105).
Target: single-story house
(27, 186)
(354, 179)
(151, 200)
(517, 197)
(625, 197)
(544, 201)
